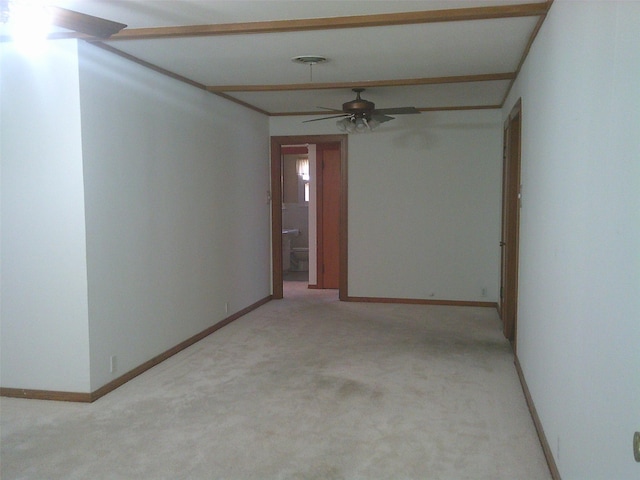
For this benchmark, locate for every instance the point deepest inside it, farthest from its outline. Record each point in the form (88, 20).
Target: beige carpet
(302, 388)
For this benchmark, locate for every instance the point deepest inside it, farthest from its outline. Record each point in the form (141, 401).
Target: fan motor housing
(358, 106)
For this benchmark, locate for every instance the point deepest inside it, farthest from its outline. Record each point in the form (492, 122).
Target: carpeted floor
(302, 388)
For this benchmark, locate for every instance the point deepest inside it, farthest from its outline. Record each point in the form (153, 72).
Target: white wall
(134, 212)
(424, 204)
(579, 279)
(177, 215)
(45, 337)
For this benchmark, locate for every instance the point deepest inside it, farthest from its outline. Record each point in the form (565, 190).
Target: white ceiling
(410, 53)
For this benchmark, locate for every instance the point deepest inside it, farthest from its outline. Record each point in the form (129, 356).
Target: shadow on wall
(422, 133)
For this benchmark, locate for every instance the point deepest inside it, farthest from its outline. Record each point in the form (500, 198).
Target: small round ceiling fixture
(309, 59)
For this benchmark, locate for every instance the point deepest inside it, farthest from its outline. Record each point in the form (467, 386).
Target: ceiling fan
(69, 19)
(360, 115)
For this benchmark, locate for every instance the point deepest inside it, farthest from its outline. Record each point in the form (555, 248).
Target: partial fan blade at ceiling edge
(381, 118)
(325, 118)
(83, 23)
(396, 111)
(331, 109)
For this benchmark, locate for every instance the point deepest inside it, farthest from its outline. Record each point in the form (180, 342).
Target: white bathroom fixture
(287, 235)
(300, 259)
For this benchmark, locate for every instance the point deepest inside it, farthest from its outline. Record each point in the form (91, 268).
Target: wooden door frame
(511, 204)
(277, 142)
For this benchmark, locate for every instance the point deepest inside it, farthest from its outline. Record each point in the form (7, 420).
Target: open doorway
(322, 199)
(298, 213)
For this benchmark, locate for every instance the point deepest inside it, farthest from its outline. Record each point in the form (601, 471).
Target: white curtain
(302, 167)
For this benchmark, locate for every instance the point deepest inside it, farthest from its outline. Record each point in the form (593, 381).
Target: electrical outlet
(113, 366)
(484, 292)
(226, 307)
(636, 446)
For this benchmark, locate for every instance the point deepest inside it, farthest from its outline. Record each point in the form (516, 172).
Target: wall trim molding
(548, 455)
(131, 374)
(421, 301)
(45, 395)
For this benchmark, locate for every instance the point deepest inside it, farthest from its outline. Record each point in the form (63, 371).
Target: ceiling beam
(532, 37)
(150, 66)
(175, 76)
(356, 21)
(364, 84)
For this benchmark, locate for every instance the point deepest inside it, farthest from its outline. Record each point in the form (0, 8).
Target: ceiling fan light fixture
(4, 11)
(37, 18)
(27, 25)
(356, 124)
(345, 125)
(361, 125)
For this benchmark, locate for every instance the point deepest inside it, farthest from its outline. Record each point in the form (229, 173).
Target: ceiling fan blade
(396, 111)
(381, 118)
(325, 118)
(331, 109)
(83, 23)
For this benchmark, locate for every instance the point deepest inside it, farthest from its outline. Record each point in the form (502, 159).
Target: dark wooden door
(511, 198)
(329, 175)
